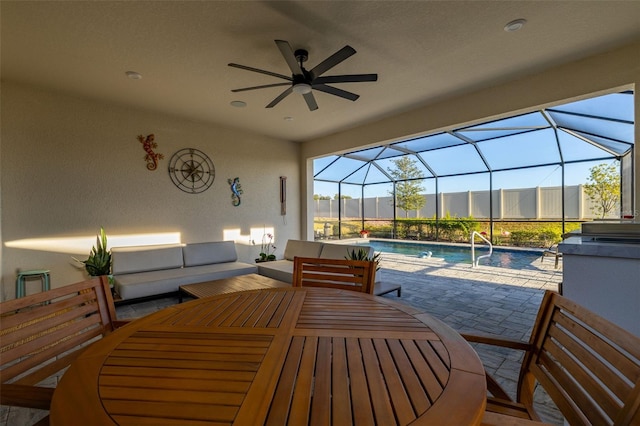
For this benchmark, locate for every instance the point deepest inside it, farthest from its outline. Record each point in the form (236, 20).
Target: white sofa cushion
(128, 260)
(302, 249)
(151, 283)
(208, 253)
(340, 251)
(281, 270)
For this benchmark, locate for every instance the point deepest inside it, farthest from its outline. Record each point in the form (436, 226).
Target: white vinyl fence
(508, 204)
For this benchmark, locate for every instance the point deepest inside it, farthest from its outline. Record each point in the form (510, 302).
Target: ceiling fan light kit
(302, 88)
(304, 81)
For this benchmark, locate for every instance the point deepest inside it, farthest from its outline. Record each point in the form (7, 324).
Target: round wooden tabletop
(277, 356)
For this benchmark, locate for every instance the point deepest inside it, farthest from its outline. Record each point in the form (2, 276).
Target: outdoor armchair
(589, 366)
(354, 275)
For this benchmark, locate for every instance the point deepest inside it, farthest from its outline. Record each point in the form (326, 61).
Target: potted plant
(364, 233)
(362, 254)
(267, 249)
(99, 261)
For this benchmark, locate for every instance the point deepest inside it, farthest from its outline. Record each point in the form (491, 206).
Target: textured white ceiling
(422, 51)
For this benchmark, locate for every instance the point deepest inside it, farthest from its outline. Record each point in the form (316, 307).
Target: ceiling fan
(303, 81)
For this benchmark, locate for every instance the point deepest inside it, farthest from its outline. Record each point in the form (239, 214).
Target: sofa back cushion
(129, 260)
(340, 251)
(209, 253)
(302, 249)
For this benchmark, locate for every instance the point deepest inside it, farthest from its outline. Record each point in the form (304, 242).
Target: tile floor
(484, 299)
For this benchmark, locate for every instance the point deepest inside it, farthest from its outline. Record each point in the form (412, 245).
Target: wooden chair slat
(569, 396)
(582, 378)
(495, 419)
(507, 408)
(589, 367)
(34, 339)
(630, 414)
(40, 299)
(594, 348)
(43, 333)
(353, 275)
(26, 396)
(46, 369)
(49, 337)
(26, 317)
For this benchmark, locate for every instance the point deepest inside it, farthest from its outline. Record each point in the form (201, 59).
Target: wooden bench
(43, 333)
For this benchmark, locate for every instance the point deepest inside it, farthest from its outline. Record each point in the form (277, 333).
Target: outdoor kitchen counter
(604, 276)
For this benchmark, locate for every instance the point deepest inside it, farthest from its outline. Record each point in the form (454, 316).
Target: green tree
(603, 188)
(408, 189)
(321, 197)
(344, 197)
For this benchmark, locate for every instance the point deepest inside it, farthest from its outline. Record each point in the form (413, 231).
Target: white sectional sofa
(283, 269)
(143, 271)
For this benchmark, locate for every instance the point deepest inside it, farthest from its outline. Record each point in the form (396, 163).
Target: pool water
(501, 257)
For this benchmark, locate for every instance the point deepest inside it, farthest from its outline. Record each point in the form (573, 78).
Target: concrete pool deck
(485, 299)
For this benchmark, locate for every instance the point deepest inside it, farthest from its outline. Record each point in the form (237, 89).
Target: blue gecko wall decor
(236, 191)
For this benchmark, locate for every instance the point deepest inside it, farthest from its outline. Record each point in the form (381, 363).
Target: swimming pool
(501, 257)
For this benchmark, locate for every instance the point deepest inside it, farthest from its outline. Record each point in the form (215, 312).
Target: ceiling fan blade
(336, 91)
(244, 67)
(332, 61)
(244, 89)
(311, 101)
(352, 78)
(287, 53)
(280, 97)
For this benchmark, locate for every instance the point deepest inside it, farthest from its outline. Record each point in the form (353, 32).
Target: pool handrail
(474, 261)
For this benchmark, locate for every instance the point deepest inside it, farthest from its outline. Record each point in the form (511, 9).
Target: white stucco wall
(69, 166)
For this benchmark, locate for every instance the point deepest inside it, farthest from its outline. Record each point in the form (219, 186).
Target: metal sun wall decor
(148, 144)
(236, 191)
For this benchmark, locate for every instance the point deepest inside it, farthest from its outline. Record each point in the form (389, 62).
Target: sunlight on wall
(254, 238)
(81, 245)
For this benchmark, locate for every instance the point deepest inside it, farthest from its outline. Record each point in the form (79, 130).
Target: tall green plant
(362, 254)
(99, 261)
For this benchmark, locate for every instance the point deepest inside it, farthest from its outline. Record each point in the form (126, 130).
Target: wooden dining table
(277, 356)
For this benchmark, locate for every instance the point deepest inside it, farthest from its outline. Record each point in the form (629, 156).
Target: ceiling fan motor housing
(301, 55)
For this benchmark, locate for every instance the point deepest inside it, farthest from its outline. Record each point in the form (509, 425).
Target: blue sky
(600, 127)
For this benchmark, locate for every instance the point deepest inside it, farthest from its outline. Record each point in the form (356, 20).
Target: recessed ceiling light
(288, 118)
(238, 104)
(515, 25)
(133, 75)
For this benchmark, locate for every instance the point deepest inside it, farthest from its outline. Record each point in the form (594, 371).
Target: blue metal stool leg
(43, 274)
(19, 286)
